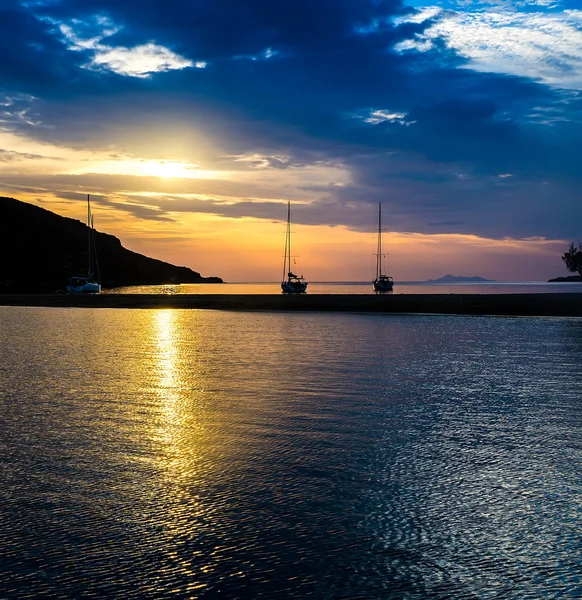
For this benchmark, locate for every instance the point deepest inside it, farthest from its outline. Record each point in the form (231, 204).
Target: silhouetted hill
(458, 279)
(40, 250)
(567, 279)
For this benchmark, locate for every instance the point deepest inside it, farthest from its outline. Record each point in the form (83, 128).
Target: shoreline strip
(551, 304)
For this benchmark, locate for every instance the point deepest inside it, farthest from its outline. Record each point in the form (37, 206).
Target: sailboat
(292, 284)
(84, 284)
(382, 282)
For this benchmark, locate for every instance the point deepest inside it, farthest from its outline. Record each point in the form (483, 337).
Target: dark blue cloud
(330, 63)
(25, 46)
(224, 28)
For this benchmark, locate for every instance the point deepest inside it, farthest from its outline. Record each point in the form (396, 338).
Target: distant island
(568, 279)
(40, 250)
(459, 279)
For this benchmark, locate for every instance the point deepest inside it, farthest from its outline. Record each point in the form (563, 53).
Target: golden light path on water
(183, 440)
(169, 384)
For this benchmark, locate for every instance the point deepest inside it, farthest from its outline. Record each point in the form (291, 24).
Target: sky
(192, 123)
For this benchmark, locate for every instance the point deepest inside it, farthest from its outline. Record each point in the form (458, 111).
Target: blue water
(207, 454)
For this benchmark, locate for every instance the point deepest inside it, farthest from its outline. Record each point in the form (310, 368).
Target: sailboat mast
(289, 237)
(89, 237)
(286, 245)
(94, 249)
(379, 255)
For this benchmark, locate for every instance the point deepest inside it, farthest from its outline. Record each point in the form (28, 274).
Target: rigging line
(289, 231)
(89, 237)
(287, 249)
(379, 246)
(95, 255)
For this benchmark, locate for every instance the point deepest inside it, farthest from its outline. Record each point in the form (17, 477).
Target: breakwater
(567, 304)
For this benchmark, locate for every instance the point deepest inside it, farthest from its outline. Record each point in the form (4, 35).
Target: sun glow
(168, 169)
(165, 169)
(28, 155)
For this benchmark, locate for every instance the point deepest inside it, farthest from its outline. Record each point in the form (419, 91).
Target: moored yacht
(83, 285)
(86, 284)
(382, 282)
(291, 284)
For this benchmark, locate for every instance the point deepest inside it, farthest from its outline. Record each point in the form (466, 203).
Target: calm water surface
(406, 287)
(168, 453)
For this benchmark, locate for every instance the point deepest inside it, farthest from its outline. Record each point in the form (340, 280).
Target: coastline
(554, 305)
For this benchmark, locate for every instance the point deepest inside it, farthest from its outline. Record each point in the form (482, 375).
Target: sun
(167, 169)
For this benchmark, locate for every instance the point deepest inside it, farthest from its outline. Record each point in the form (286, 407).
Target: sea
(212, 454)
(358, 287)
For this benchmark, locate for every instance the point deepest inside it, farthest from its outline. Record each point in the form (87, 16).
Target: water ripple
(202, 454)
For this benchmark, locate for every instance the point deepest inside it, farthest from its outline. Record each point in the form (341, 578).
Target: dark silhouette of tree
(573, 258)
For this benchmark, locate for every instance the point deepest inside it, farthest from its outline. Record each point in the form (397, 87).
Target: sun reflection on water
(178, 385)
(186, 453)
(168, 384)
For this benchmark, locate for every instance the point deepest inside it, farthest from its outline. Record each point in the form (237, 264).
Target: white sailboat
(85, 284)
(291, 284)
(382, 282)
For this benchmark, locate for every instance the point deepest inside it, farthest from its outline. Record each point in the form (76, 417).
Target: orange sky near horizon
(252, 249)
(134, 198)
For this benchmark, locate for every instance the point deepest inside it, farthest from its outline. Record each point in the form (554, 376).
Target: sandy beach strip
(555, 304)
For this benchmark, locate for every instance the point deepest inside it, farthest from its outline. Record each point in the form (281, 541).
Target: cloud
(30, 55)
(376, 116)
(512, 4)
(139, 61)
(453, 200)
(266, 54)
(11, 156)
(544, 46)
(16, 109)
(306, 101)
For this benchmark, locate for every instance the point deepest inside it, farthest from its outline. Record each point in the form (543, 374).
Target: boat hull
(294, 287)
(383, 284)
(86, 288)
